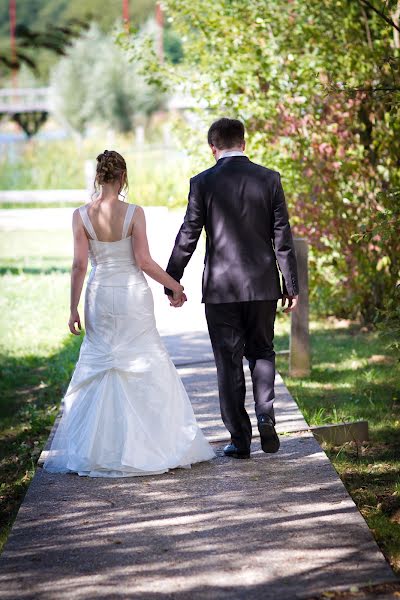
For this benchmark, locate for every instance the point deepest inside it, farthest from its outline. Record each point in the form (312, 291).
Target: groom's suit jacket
(242, 207)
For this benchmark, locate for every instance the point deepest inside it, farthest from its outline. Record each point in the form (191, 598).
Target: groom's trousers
(240, 329)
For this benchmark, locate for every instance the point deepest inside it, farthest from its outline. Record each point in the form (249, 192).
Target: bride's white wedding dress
(126, 411)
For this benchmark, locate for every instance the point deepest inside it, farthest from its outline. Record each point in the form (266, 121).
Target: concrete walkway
(275, 526)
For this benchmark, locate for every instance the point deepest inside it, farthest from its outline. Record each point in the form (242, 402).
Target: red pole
(125, 14)
(160, 23)
(13, 21)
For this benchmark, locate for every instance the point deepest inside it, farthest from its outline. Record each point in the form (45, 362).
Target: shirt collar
(226, 153)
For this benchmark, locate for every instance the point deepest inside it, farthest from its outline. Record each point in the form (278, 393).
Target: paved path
(278, 526)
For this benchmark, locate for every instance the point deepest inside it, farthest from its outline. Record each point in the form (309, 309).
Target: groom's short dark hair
(226, 133)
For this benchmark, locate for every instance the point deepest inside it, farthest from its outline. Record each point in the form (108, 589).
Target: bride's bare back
(108, 218)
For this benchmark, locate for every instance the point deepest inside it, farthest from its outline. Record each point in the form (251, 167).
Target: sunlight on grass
(37, 354)
(33, 313)
(36, 248)
(351, 363)
(324, 386)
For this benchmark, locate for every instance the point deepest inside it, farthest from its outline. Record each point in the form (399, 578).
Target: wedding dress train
(126, 411)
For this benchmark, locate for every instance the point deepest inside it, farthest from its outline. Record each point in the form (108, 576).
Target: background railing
(13, 100)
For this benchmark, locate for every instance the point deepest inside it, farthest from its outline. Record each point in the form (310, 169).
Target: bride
(125, 412)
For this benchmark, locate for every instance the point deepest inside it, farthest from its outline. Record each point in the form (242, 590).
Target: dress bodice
(118, 252)
(113, 263)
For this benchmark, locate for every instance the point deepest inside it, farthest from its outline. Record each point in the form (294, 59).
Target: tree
(96, 82)
(29, 42)
(45, 26)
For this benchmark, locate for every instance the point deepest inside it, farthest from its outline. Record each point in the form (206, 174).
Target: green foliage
(172, 46)
(43, 165)
(388, 321)
(107, 13)
(156, 176)
(44, 17)
(97, 83)
(387, 318)
(317, 85)
(28, 43)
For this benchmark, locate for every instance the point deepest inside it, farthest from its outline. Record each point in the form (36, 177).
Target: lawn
(353, 377)
(37, 354)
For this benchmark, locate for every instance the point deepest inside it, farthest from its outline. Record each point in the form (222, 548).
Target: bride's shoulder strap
(87, 222)
(128, 218)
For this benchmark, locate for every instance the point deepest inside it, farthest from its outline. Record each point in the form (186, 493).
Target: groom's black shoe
(269, 438)
(234, 452)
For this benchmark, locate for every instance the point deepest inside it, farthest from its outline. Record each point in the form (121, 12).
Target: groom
(242, 207)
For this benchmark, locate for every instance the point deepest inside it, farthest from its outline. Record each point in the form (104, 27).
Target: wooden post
(299, 346)
(13, 24)
(125, 14)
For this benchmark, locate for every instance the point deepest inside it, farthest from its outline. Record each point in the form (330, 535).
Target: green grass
(37, 354)
(352, 377)
(32, 385)
(35, 252)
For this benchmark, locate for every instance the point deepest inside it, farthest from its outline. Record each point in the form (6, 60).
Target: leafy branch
(55, 39)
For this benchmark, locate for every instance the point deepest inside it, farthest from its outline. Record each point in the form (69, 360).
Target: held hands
(74, 318)
(179, 297)
(292, 302)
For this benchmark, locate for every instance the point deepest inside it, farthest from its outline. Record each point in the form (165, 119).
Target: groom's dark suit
(242, 207)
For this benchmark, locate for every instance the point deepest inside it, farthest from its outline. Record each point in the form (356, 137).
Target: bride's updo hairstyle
(111, 166)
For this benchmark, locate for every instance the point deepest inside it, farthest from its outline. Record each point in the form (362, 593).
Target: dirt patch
(381, 359)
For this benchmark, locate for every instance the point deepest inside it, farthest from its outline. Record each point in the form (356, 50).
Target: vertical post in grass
(299, 346)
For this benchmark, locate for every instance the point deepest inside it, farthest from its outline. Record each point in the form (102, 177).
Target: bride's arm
(78, 270)
(143, 258)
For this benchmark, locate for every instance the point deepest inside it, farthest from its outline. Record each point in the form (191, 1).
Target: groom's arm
(283, 242)
(188, 235)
